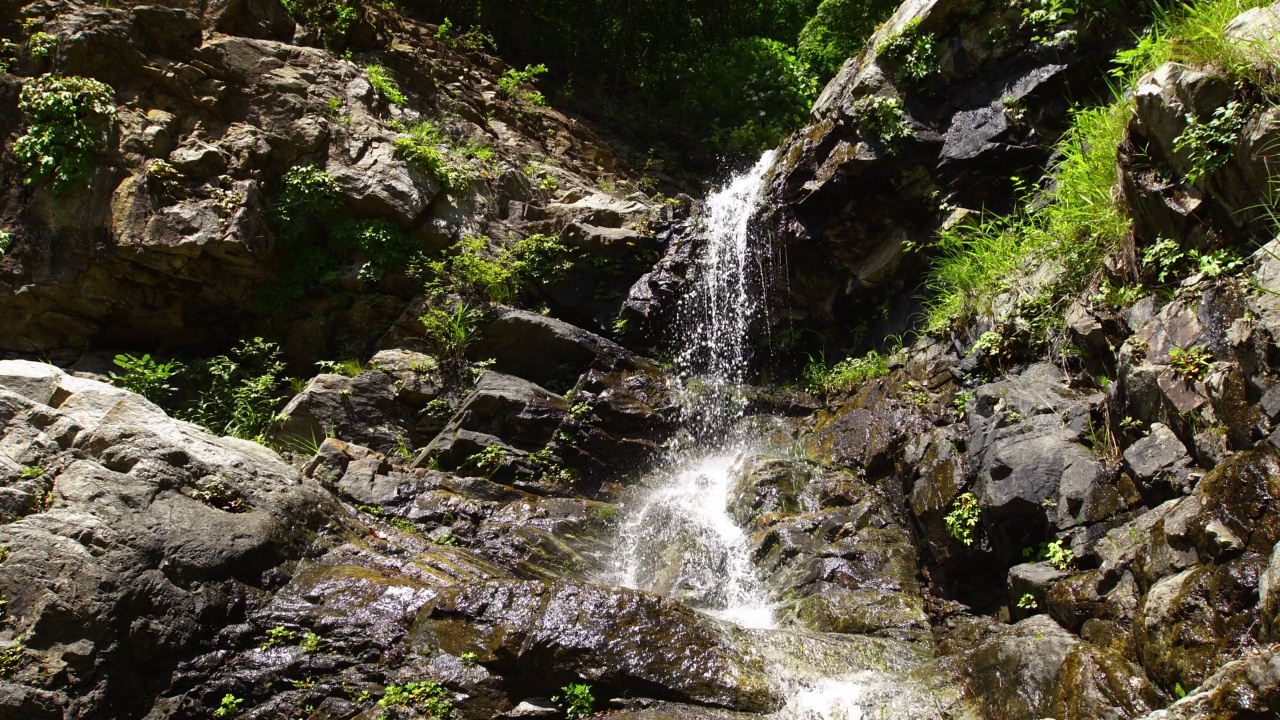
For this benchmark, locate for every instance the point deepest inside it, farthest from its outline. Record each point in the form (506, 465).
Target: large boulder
(129, 539)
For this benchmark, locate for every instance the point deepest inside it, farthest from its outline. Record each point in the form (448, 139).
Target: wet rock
(1240, 690)
(1036, 669)
(1160, 455)
(540, 636)
(544, 350)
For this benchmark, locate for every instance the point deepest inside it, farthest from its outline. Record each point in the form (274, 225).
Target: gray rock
(1158, 455)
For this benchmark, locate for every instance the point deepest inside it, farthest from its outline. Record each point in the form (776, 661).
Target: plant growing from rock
(450, 332)
(229, 707)
(9, 51)
(1191, 364)
(333, 18)
(6, 240)
(386, 86)
(912, 54)
(242, 391)
(311, 642)
(513, 81)
(1053, 553)
(883, 119)
(426, 696)
(488, 460)
(1028, 602)
(430, 150)
(1209, 144)
(276, 636)
(576, 699)
(145, 376)
(11, 659)
(67, 122)
(41, 45)
(844, 375)
(962, 521)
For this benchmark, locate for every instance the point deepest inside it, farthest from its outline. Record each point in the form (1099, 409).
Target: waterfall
(682, 542)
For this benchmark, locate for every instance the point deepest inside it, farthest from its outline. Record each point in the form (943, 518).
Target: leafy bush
(333, 18)
(911, 54)
(472, 270)
(6, 241)
(385, 85)
(427, 696)
(772, 93)
(838, 30)
(9, 51)
(41, 46)
(427, 148)
(1209, 144)
(379, 242)
(67, 121)
(576, 699)
(844, 375)
(241, 391)
(1191, 364)
(1053, 553)
(512, 82)
(883, 119)
(229, 707)
(308, 195)
(962, 521)
(146, 377)
(540, 259)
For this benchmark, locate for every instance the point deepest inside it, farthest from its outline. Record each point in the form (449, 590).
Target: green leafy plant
(844, 375)
(576, 699)
(447, 540)
(450, 332)
(514, 81)
(1054, 553)
(1191, 364)
(333, 18)
(241, 393)
(470, 659)
(6, 240)
(31, 472)
(1045, 20)
(1209, 144)
(11, 659)
(883, 119)
(385, 85)
(9, 51)
(426, 147)
(311, 642)
(229, 707)
(540, 259)
(472, 270)
(41, 46)
(67, 122)
(1028, 602)
(276, 636)
(912, 54)
(488, 460)
(404, 525)
(350, 367)
(379, 242)
(962, 521)
(427, 696)
(145, 376)
(838, 30)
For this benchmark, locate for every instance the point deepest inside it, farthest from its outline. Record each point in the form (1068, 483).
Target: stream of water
(680, 540)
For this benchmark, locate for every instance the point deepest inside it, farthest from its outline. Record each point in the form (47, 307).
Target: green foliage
(31, 472)
(6, 241)
(1045, 19)
(844, 375)
(1192, 32)
(1028, 602)
(241, 391)
(447, 540)
(773, 91)
(11, 659)
(1168, 261)
(145, 376)
(41, 46)
(488, 460)
(379, 242)
(473, 270)
(911, 55)
(404, 525)
(67, 122)
(333, 18)
(838, 30)
(450, 332)
(1191, 364)
(428, 149)
(278, 635)
(311, 642)
(1209, 144)
(229, 707)
(1074, 230)
(8, 55)
(308, 195)
(539, 260)
(576, 699)
(385, 85)
(514, 81)
(882, 119)
(962, 521)
(1054, 553)
(350, 367)
(470, 659)
(426, 696)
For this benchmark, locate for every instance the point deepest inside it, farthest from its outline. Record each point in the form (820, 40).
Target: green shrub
(41, 46)
(513, 80)
(1191, 364)
(6, 241)
(576, 699)
(229, 707)
(278, 635)
(1052, 552)
(911, 55)
(962, 521)
(333, 18)
(838, 30)
(386, 86)
(844, 375)
(379, 242)
(240, 391)
(1193, 33)
(540, 260)
(882, 119)
(146, 377)
(308, 196)
(67, 122)
(472, 269)
(426, 696)
(1209, 144)
(9, 51)
(428, 149)
(450, 332)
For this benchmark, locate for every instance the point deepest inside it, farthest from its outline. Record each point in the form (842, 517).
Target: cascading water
(681, 540)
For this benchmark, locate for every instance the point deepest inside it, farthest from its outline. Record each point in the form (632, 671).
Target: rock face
(129, 539)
